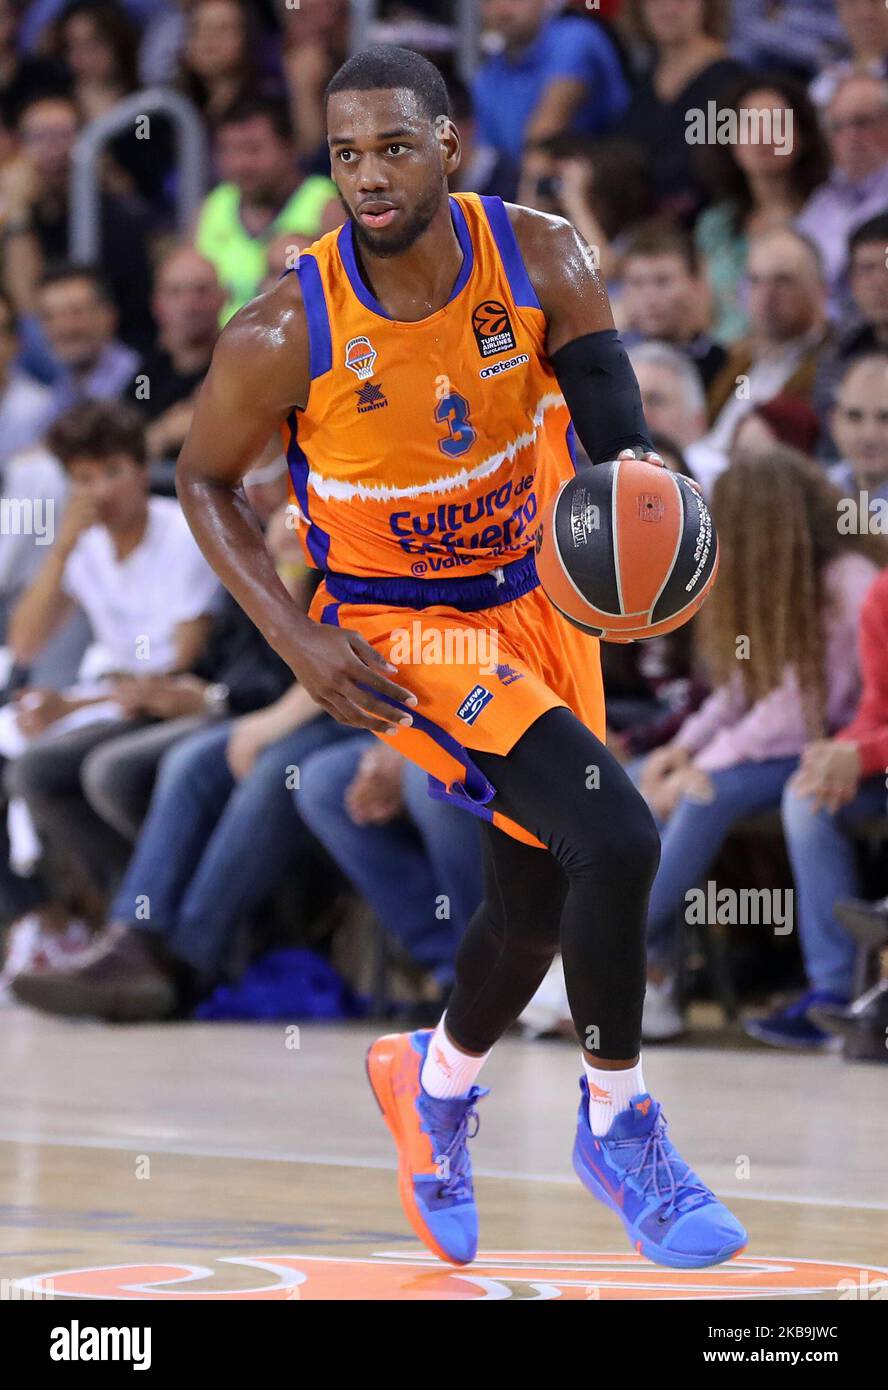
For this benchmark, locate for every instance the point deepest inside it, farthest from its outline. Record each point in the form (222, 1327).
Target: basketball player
(431, 361)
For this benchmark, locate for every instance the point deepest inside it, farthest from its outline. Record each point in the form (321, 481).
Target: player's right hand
(340, 671)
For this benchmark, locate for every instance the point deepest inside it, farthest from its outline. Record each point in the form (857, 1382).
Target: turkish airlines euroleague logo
(492, 328)
(495, 1274)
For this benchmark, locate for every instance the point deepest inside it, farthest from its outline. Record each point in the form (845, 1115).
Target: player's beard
(385, 244)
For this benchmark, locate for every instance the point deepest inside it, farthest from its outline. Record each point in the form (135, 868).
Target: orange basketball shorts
(481, 675)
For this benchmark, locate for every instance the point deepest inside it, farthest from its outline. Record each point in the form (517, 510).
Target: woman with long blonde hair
(778, 640)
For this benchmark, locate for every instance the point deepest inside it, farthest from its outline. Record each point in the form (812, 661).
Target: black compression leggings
(587, 897)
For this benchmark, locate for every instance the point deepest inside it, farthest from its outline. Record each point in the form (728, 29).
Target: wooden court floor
(232, 1162)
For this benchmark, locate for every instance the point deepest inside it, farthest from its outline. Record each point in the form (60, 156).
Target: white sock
(610, 1092)
(447, 1072)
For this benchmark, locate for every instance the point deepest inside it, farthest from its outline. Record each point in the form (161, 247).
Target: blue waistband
(472, 592)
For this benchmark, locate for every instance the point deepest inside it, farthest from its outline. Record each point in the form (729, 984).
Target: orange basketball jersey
(426, 449)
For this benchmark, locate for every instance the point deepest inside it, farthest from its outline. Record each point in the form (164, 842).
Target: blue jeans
(694, 834)
(824, 865)
(421, 872)
(212, 848)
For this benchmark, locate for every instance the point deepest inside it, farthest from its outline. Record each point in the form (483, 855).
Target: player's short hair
(657, 354)
(663, 239)
(385, 67)
(98, 430)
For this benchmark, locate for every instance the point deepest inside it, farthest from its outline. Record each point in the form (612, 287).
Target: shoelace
(453, 1159)
(655, 1157)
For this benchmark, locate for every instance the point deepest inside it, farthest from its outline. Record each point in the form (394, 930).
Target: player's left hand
(655, 459)
(658, 462)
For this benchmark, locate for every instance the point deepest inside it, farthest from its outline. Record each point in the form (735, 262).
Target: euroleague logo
(492, 328)
(495, 1274)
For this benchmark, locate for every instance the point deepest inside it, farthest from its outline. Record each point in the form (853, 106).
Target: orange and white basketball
(627, 550)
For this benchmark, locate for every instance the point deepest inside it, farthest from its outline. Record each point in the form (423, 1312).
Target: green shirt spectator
(262, 194)
(241, 260)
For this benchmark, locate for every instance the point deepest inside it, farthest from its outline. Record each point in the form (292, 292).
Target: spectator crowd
(172, 805)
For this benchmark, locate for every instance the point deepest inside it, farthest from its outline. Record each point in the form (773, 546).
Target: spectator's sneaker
(34, 945)
(866, 1014)
(792, 1025)
(434, 1168)
(662, 1019)
(118, 978)
(670, 1215)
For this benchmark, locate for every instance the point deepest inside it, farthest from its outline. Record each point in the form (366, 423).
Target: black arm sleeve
(602, 395)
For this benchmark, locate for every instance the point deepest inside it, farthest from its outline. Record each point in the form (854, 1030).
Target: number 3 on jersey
(453, 411)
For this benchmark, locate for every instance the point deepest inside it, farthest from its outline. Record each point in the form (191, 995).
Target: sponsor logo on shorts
(370, 397)
(492, 328)
(474, 703)
(360, 357)
(496, 368)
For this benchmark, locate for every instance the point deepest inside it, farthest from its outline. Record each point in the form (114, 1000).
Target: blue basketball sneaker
(434, 1168)
(669, 1214)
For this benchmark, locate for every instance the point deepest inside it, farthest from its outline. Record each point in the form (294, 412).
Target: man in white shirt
(129, 562)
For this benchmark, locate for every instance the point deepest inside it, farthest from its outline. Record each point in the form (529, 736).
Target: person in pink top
(777, 639)
(840, 782)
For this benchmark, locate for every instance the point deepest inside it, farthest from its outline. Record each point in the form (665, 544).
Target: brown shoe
(119, 978)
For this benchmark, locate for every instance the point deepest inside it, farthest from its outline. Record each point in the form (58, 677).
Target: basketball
(627, 550)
